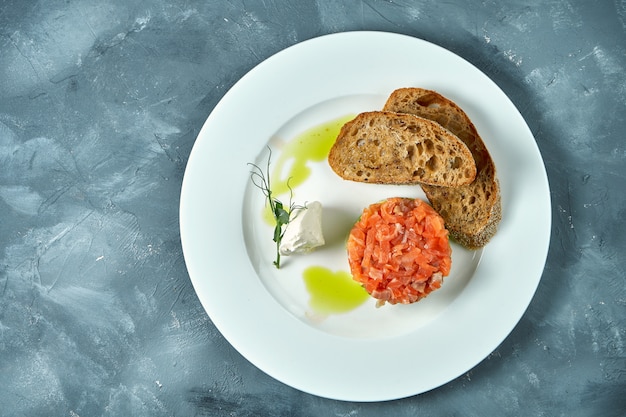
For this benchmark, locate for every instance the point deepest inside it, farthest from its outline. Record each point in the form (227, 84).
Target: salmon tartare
(399, 250)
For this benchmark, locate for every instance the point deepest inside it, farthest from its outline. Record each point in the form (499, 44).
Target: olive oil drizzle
(330, 292)
(313, 145)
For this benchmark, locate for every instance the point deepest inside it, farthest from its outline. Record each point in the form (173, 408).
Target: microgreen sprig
(281, 214)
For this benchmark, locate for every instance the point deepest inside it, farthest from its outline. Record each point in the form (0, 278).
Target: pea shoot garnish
(280, 212)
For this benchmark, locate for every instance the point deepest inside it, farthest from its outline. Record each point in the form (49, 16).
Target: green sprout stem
(281, 214)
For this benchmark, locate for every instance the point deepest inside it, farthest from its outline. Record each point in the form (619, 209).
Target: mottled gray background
(100, 104)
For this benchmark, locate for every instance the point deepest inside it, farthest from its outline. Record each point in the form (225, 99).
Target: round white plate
(366, 353)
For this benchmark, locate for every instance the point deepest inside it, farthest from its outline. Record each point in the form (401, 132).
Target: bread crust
(392, 148)
(472, 212)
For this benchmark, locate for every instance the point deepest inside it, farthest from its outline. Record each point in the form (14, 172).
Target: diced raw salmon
(399, 250)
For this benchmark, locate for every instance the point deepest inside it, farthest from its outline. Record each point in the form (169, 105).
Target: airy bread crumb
(473, 211)
(393, 148)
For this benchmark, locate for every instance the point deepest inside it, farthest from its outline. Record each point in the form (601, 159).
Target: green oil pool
(332, 292)
(312, 145)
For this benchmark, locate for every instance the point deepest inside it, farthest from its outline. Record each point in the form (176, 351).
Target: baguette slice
(391, 148)
(471, 212)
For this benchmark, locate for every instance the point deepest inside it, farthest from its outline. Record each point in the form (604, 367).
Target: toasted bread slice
(471, 212)
(391, 148)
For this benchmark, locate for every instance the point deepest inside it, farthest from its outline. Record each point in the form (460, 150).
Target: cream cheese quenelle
(304, 230)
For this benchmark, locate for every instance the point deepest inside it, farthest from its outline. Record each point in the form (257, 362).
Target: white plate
(364, 354)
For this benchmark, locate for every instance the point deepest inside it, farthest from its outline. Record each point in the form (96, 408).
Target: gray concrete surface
(100, 104)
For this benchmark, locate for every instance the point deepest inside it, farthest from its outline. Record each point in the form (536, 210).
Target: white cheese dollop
(304, 230)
